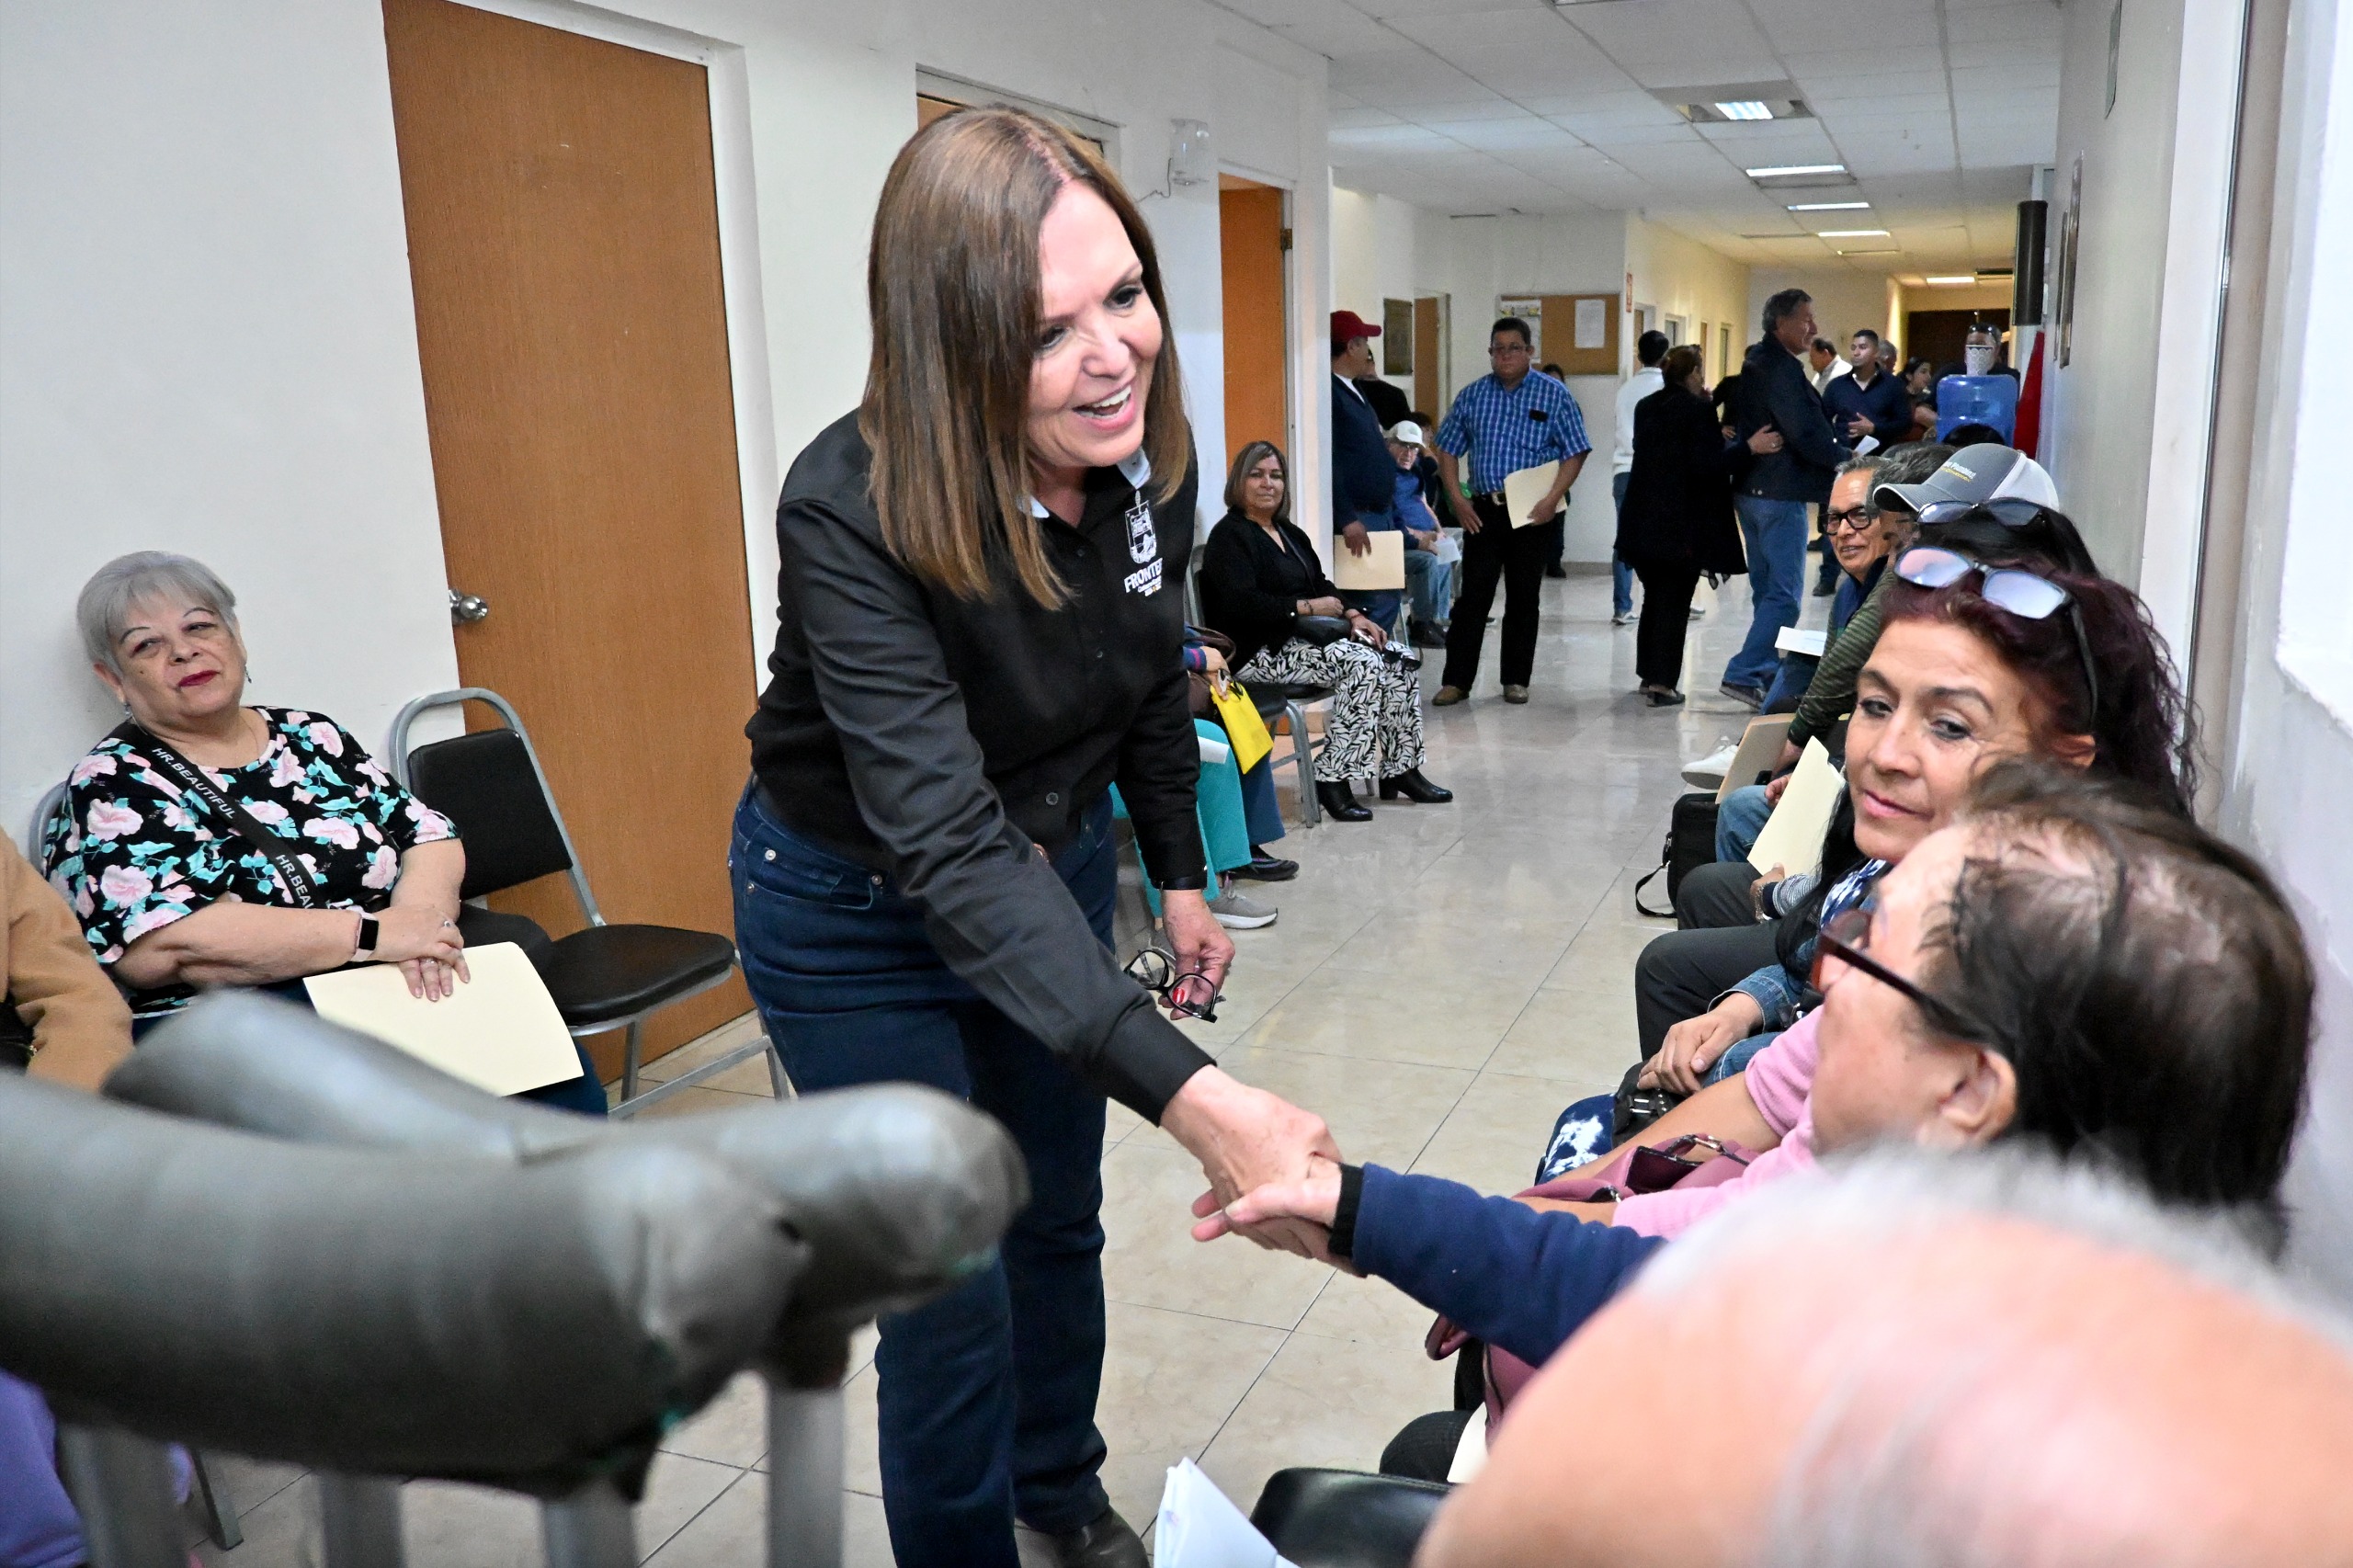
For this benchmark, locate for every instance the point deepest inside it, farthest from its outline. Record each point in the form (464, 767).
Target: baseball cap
(1348, 325)
(1407, 433)
(1973, 476)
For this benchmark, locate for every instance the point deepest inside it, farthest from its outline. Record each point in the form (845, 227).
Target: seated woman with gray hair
(208, 842)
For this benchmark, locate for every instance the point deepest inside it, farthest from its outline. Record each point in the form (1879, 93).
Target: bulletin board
(1576, 353)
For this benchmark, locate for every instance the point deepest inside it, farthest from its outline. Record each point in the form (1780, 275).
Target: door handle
(466, 608)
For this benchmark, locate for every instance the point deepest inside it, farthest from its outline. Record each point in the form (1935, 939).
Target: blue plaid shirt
(1532, 424)
(1781, 992)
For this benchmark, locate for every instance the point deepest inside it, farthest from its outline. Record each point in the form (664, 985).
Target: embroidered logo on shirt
(1145, 582)
(1143, 540)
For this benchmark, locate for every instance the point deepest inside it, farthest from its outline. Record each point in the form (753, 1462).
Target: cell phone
(1654, 1170)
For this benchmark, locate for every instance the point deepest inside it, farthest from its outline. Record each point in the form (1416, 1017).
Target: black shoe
(1427, 636)
(1265, 867)
(1413, 786)
(1749, 696)
(1108, 1543)
(1340, 802)
(1554, 569)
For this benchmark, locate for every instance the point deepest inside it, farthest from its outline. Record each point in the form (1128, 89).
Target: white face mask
(1979, 357)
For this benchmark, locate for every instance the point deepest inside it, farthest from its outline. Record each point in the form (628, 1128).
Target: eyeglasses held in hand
(2027, 595)
(1846, 938)
(1189, 993)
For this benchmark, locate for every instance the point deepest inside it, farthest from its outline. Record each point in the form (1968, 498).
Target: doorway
(563, 248)
(1938, 335)
(1254, 246)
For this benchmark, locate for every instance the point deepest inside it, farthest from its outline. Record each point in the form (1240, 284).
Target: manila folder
(1524, 489)
(1793, 834)
(1382, 567)
(499, 1031)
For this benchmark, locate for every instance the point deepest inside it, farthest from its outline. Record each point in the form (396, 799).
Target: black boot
(1413, 786)
(1108, 1543)
(1338, 801)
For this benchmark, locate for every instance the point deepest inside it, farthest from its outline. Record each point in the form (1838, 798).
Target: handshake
(1295, 1215)
(1274, 1170)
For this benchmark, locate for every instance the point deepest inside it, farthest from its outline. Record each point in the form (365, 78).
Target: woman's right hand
(1697, 1044)
(1328, 605)
(1765, 442)
(423, 942)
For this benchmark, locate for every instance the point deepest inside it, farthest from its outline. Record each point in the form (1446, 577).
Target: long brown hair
(1250, 458)
(953, 296)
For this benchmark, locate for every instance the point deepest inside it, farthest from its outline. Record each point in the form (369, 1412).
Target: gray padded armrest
(899, 1190)
(466, 1316)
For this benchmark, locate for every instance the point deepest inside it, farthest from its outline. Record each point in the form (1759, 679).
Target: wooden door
(564, 244)
(1938, 336)
(1252, 245)
(1429, 384)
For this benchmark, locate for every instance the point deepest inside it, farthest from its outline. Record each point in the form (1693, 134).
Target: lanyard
(293, 878)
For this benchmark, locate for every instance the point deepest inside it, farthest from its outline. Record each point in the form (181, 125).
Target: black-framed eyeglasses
(1509, 348)
(2028, 595)
(1849, 519)
(2009, 511)
(1189, 993)
(1846, 935)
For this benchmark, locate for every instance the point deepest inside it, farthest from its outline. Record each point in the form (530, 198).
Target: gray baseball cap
(1975, 475)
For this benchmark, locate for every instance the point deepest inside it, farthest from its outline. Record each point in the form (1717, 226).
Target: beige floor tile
(1493, 1140)
(700, 1099)
(1603, 955)
(1377, 1110)
(1369, 1312)
(281, 1530)
(1509, 956)
(1580, 1035)
(1151, 1259)
(732, 1429)
(1324, 1401)
(1170, 1380)
(718, 1042)
(1412, 1013)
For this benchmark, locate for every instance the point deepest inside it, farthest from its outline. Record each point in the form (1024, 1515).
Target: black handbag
(1321, 630)
(1690, 844)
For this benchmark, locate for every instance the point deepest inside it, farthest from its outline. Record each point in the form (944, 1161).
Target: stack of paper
(1793, 834)
(1200, 1527)
(1382, 567)
(500, 1031)
(1524, 489)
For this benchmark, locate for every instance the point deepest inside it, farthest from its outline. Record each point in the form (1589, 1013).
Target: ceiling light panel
(1745, 109)
(1962, 281)
(1829, 205)
(1852, 233)
(1779, 171)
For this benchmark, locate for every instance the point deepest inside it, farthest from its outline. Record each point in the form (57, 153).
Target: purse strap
(292, 875)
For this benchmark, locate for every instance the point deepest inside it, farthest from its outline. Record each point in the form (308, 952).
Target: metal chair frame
(631, 1102)
(1303, 749)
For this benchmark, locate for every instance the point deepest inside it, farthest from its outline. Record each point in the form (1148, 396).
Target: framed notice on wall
(1396, 337)
(1582, 336)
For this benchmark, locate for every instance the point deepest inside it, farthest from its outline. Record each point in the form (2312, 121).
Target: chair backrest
(484, 782)
(53, 801)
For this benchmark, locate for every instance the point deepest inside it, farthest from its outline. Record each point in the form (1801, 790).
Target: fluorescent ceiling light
(1828, 206)
(1875, 250)
(1797, 169)
(1853, 234)
(1745, 109)
(1962, 281)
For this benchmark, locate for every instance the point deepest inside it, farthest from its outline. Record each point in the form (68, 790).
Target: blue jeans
(1429, 584)
(1796, 673)
(1740, 817)
(1621, 576)
(987, 1394)
(1775, 532)
(1260, 812)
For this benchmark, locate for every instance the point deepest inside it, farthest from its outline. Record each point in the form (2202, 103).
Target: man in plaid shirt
(1509, 419)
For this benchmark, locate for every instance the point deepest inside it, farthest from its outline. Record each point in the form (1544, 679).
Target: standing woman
(981, 624)
(1677, 521)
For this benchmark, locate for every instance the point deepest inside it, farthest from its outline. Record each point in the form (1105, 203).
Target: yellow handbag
(1244, 728)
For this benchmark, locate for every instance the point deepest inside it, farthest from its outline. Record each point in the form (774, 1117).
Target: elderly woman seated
(210, 842)
(1259, 574)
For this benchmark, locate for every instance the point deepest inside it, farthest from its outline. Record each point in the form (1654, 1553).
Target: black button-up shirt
(935, 739)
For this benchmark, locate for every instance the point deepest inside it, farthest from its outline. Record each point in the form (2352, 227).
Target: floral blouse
(137, 852)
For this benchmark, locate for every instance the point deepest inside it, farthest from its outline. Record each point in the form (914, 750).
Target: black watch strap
(369, 935)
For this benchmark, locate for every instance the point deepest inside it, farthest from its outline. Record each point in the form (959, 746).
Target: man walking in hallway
(1649, 350)
(1508, 419)
(1776, 391)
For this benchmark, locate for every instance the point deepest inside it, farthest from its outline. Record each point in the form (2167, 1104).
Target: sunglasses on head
(1846, 938)
(2030, 595)
(2009, 511)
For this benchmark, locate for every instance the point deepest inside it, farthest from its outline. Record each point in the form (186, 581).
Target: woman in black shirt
(1259, 574)
(979, 632)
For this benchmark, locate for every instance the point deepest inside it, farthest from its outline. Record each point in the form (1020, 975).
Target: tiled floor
(1441, 981)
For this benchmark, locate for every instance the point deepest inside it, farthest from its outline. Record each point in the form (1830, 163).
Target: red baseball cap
(1346, 325)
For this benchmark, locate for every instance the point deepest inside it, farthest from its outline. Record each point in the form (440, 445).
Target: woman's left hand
(1367, 630)
(1212, 662)
(1198, 942)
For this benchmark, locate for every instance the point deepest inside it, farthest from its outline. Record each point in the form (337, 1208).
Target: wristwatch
(365, 948)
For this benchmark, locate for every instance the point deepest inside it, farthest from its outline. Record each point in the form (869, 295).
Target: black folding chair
(606, 977)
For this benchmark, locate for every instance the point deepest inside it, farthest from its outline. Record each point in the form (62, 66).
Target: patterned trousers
(1376, 724)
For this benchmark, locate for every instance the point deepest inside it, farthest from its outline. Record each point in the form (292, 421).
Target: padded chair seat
(612, 972)
(1272, 700)
(1346, 1519)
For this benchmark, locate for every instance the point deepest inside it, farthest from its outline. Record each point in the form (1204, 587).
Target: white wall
(1843, 299)
(206, 338)
(2099, 412)
(1684, 277)
(1374, 242)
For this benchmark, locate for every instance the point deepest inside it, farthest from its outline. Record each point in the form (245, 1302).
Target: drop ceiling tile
(1344, 38)
(1384, 138)
(1797, 27)
(1388, 81)
(1499, 135)
(1483, 108)
(1857, 58)
(1356, 116)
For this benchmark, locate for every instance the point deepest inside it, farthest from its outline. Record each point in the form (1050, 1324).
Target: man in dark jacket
(1865, 401)
(1364, 476)
(1776, 391)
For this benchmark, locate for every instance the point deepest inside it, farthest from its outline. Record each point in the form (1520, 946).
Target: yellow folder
(1382, 567)
(499, 1031)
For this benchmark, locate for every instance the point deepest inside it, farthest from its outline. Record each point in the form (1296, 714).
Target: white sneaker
(1708, 773)
(1242, 913)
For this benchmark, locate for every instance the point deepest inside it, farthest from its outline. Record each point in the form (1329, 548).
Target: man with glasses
(1857, 536)
(1508, 419)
